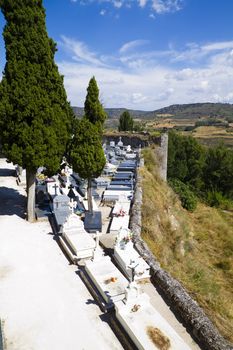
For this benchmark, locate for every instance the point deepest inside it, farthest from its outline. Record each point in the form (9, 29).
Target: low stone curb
(187, 309)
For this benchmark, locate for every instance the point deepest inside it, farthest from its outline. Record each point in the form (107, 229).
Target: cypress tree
(35, 115)
(86, 152)
(125, 122)
(93, 109)
(87, 155)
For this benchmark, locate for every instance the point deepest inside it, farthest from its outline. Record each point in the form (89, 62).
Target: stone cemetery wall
(162, 153)
(184, 307)
(134, 140)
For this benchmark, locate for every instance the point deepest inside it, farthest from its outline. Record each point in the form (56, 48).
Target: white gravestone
(80, 243)
(133, 265)
(137, 316)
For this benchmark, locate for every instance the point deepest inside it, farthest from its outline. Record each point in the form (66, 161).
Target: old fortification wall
(186, 309)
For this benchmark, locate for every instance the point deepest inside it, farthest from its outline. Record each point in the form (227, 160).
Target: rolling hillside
(181, 111)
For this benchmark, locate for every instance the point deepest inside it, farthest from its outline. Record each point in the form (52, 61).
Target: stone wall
(162, 153)
(134, 140)
(185, 308)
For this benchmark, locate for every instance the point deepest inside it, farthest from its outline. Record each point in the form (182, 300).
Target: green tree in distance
(218, 171)
(93, 109)
(87, 155)
(125, 122)
(35, 115)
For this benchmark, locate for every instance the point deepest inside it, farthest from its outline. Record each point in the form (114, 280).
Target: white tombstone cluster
(117, 281)
(121, 188)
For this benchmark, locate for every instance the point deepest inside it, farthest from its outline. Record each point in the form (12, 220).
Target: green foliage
(211, 122)
(218, 171)
(86, 155)
(230, 119)
(208, 172)
(138, 126)
(94, 111)
(35, 115)
(187, 197)
(186, 158)
(125, 122)
(217, 199)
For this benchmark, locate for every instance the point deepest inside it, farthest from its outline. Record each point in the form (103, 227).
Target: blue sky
(145, 54)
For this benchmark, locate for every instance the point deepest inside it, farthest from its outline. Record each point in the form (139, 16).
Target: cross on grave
(133, 268)
(56, 187)
(71, 193)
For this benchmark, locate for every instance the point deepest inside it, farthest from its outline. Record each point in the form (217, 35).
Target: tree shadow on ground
(7, 172)
(12, 202)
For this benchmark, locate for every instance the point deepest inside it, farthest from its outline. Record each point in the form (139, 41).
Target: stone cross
(55, 186)
(133, 268)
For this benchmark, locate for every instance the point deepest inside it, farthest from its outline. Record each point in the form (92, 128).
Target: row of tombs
(116, 277)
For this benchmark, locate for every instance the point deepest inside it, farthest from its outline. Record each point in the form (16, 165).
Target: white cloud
(80, 51)
(218, 46)
(117, 4)
(142, 3)
(149, 79)
(102, 12)
(163, 6)
(159, 6)
(132, 45)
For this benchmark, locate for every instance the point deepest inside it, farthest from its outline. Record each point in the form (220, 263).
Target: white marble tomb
(80, 244)
(107, 278)
(137, 315)
(128, 258)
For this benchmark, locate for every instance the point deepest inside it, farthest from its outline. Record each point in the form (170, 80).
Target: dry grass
(212, 135)
(196, 248)
(158, 338)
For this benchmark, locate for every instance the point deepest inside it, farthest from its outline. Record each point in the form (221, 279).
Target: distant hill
(113, 113)
(196, 110)
(180, 111)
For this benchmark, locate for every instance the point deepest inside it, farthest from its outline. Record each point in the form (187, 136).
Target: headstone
(120, 143)
(93, 221)
(61, 210)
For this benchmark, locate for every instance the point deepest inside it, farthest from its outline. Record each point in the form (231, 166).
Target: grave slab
(107, 278)
(138, 317)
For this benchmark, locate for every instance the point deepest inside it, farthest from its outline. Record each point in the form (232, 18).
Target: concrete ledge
(187, 309)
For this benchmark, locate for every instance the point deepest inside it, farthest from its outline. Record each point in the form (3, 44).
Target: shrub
(217, 199)
(187, 197)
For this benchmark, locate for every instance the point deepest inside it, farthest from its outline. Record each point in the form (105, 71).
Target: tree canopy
(35, 115)
(87, 155)
(125, 122)
(93, 108)
(208, 172)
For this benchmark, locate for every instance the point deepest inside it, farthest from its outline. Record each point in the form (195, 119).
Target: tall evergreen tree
(125, 122)
(93, 109)
(35, 115)
(86, 152)
(87, 155)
